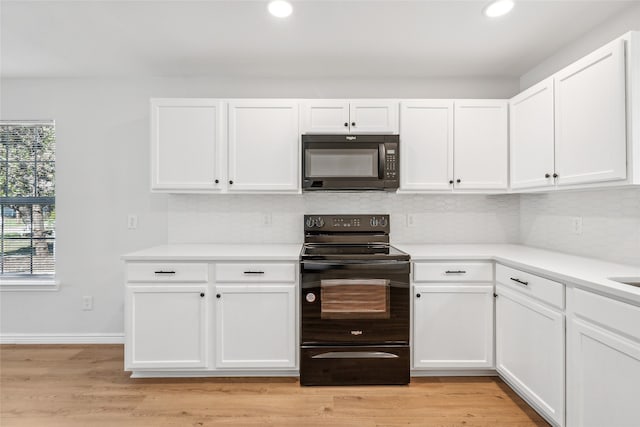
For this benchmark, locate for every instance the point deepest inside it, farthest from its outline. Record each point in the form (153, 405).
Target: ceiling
(323, 38)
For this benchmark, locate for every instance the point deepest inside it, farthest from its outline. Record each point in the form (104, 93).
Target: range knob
(383, 222)
(319, 222)
(373, 221)
(310, 222)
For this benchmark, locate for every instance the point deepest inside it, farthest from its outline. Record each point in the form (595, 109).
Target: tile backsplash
(610, 219)
(610, 223)
(278, 218)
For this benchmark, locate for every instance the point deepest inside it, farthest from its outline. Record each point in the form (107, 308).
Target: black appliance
(350, 162)
(354, 303)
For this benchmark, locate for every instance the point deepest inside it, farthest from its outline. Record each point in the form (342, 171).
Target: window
(27, 200)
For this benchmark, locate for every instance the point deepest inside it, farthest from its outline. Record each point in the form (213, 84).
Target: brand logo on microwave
(351, 138)
(356, 332)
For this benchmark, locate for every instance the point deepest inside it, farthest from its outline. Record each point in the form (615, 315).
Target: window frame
(30, 282)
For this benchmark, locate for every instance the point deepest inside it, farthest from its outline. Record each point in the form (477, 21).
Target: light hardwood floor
(84, 385)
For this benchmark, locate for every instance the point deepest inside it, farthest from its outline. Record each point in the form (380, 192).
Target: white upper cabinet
(532, 137)
(263, 146)
(349, 116)
(186, 140)
(373, 116)
(591, 118)
(480, 149)
(426, 140)
(325, 116)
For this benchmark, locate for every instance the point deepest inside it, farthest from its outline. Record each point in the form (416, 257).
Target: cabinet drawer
(167, 272)
(246, 272)
(453, 272)
(537, 287)
(616, 315)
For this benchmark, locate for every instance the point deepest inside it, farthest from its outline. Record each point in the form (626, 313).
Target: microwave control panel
(391, 161)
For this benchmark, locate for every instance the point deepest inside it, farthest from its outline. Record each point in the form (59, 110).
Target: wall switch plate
(132, 222)
(576, 224)
(87, 303)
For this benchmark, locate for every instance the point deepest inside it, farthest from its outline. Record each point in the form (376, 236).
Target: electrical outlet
(132, 222)
(411, 220)
(576, 224)
(267, 219)
(87, 303)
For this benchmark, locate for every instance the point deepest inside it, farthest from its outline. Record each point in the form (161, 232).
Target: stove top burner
(349, 238)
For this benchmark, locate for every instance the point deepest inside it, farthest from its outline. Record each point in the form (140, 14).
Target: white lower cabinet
(530, 350)
(166, 327)
(453, 326)
(255, 326)
(187, 317)
(603, 376)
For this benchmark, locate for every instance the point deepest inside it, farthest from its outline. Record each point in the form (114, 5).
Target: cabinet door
(590, 118)
(453, 326)
(255, 326)
(480, 146)
(426, 132)
(530, 350)
(166, 327)
(373, 116)
(263, 146)
(185, 144)
(325, 116)
(603, 377)
(531, 124)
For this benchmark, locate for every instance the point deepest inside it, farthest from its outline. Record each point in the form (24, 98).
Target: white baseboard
(61, 338)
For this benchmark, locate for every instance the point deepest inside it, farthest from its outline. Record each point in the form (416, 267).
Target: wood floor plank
(80, 385)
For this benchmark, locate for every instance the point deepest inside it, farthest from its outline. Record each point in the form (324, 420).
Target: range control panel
(347, 223)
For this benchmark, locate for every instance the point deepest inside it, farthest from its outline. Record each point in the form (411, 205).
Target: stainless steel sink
(631, 281)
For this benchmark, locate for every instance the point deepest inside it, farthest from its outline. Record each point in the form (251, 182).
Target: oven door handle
(346, 262)
(355, 355)
(381, 160)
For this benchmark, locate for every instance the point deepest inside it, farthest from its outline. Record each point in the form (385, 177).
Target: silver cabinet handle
(355, 355)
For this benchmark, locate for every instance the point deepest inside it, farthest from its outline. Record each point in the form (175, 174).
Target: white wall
(103, 174)
(628, 20)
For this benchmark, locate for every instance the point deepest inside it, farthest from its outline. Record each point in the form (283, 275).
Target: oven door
(359, 303)
(340, 165)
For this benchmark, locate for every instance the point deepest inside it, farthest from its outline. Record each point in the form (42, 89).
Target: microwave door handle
(381, 158)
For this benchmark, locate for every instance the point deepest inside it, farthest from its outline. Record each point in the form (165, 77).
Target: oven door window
(341, 163)
(354, 299)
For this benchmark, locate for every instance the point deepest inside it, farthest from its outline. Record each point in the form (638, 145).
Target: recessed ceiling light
(498, 8)
(280, 8)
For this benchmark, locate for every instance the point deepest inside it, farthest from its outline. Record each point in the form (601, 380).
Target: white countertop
(590, 273)
(218, 252)
(585, 272)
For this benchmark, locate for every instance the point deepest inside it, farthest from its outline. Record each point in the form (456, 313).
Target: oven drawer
(538, 287)
(453, 272)
(354, 365)
(167, 272)
(250, 272)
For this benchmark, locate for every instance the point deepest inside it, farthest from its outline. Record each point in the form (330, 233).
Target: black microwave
(350, 162)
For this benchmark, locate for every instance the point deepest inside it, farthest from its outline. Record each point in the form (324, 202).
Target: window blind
(27, 199)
